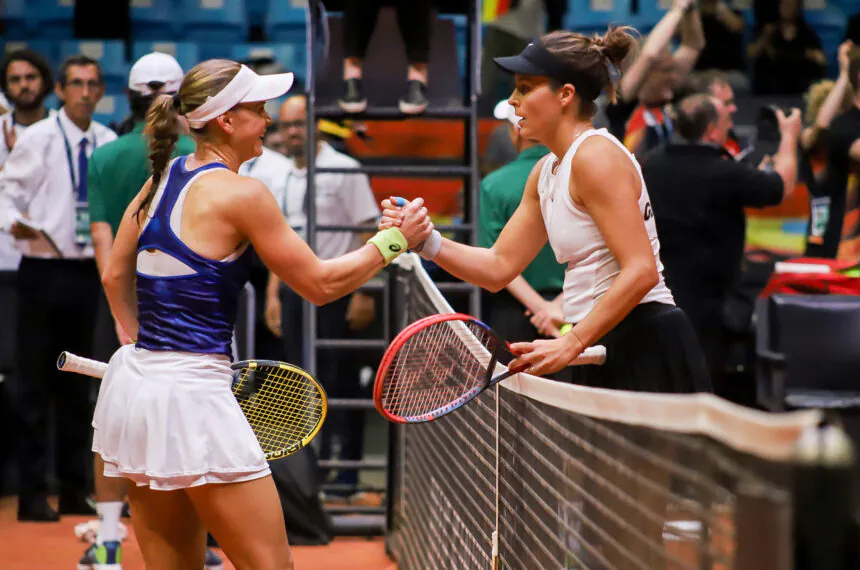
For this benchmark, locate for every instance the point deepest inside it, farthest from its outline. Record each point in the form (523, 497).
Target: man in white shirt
(271, 169)
(26, 78)
(343, 199)
(43, 204)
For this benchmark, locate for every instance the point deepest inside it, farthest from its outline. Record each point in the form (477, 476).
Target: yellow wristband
(390, 243)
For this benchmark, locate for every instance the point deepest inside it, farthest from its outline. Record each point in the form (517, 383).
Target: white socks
(109, 515)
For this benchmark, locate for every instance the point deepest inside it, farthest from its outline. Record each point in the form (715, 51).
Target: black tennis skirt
(654, 349)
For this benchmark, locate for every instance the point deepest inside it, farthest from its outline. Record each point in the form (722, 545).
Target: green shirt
(118, 170)
(501, 194)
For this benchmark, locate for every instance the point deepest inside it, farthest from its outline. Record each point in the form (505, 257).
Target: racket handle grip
(68, 362)
(591, 355)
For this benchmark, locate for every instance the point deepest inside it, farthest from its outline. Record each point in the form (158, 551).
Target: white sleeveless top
(577, 241)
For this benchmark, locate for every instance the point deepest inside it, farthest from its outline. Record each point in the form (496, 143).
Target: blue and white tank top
(186, 302)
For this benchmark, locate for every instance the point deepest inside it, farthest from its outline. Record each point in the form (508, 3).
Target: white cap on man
(505, 112)
(155, 68)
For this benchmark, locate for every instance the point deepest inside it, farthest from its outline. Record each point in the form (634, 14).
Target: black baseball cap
(535, 59)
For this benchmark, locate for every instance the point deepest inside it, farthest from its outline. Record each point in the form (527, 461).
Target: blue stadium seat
(153, 20)
(291, 56)
(112, 109)
(286, 21)
(582, 17)
(48, 49)
(186, 53)
(14, 18)
(52, 102)
(109, 53)
(650, 12)
(830, 24)
(51, 19)
(213, 21)
(256, 11)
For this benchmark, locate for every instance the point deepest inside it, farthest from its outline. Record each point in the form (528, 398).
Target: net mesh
(535, 474)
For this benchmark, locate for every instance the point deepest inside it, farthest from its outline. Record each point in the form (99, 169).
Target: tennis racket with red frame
(439, 363)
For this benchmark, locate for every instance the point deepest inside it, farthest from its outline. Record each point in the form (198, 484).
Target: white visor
(245, 87)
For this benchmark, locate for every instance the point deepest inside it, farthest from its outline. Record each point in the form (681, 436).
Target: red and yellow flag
(492, 9)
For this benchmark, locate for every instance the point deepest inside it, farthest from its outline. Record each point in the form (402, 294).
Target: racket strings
(284, 408)
(437, 365)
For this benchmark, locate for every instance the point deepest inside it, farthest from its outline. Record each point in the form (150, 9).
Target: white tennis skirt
(169, 420)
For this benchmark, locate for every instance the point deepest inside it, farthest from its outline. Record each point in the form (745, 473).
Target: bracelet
(390, 243)
(431, 246)
(573, 332)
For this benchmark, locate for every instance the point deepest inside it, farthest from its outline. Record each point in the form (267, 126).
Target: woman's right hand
(411, 219)
(273, 315)
(842, 55)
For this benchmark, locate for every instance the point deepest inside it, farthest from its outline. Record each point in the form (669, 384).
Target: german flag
(492, 9)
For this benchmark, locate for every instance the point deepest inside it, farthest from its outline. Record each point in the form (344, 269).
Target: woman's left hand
(546, 356)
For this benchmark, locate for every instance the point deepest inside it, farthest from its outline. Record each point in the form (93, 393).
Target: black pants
(343, 432)
(8, 423)
(413, 18)
(57, 308)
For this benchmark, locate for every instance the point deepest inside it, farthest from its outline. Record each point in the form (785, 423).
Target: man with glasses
(341, 199)
(43, 204)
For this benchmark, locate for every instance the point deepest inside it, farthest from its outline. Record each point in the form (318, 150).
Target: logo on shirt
(648, 212)
(394, 247)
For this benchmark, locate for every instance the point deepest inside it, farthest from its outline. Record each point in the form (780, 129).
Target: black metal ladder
(322, 87)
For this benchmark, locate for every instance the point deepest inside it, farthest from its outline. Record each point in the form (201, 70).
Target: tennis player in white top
(589, 200)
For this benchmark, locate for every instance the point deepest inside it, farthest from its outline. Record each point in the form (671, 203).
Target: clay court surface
(54, 546)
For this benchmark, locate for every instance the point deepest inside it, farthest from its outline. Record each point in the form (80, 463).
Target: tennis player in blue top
(166, 418)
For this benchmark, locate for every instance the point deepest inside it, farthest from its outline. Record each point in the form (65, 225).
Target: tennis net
(536, 474)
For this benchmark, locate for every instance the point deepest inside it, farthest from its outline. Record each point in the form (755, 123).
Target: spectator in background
(534, 291)
(837, 221)
(341, 199)
(44, 182)
(414, 17)
(275, 140)
(699, 194)
(271, 168)
(787, 54)
(724, 42)
(641, 116)
(825, 100)
(716, 83)
(500, 149)
(26, 79)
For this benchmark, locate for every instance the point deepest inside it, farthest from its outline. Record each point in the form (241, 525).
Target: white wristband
(431, 246)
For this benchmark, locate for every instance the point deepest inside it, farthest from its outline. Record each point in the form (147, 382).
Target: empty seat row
(212, 21)
(111, 54)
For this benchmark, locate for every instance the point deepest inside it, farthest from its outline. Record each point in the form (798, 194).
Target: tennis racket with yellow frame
(285, 405)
